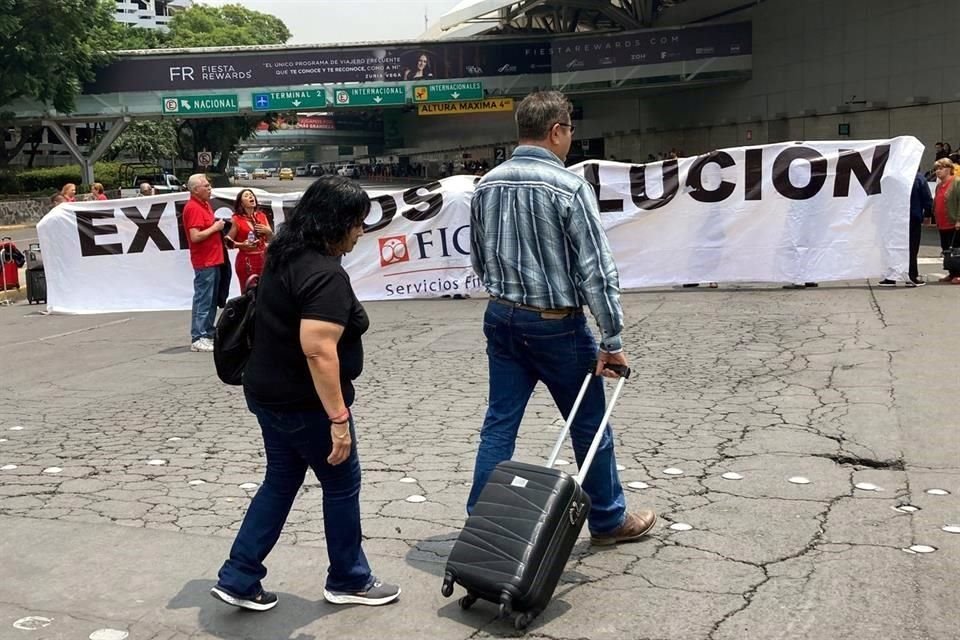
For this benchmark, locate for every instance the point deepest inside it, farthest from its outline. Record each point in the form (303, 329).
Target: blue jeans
(293, 441)
(204, 312)
(522, 349)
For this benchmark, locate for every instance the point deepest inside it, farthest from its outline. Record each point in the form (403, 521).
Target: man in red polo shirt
(206, 256)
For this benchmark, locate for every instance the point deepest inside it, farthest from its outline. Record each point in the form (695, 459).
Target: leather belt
(546, 314)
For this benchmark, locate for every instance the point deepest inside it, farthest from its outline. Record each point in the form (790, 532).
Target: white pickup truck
(162, 183)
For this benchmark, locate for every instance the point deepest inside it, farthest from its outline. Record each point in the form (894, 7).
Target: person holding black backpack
(298, 382)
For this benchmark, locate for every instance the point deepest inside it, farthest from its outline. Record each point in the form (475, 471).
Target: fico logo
(393, 250)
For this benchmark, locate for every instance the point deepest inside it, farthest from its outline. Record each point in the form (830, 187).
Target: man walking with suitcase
(538, 246)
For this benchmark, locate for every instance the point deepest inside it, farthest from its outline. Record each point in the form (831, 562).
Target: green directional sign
(190, 105)
(289, 100)
(447, 92)
(370, 96)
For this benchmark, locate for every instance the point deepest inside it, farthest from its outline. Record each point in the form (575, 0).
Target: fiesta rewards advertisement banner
(790, 212)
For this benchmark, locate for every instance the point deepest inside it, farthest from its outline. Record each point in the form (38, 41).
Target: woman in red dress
(250, 234)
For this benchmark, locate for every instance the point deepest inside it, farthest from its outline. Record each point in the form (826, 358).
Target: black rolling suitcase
(516, 543)
(36, 277)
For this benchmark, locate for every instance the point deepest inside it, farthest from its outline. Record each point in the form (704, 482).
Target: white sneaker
(202, 345)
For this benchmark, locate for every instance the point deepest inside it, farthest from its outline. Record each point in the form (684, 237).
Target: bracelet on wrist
(341, 418)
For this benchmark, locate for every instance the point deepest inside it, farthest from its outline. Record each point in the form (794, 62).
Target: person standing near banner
(69, 192)
(96, 191)
(539, 248)
(249, 223)
(946, 210)
(206, 256)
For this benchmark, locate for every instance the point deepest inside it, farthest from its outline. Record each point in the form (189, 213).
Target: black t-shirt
(315, 287)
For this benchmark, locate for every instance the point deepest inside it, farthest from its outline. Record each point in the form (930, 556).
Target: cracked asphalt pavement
(126, 467)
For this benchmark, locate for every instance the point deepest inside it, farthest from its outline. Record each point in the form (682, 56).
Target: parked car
(286, 173)
(241, 174)
(260, 174)
(301, 172)
(349, 171)
(315, 170)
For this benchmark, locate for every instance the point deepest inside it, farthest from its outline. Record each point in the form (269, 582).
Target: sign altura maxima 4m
(792, 212)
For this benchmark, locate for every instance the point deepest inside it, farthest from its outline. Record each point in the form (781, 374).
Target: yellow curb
(17, 227)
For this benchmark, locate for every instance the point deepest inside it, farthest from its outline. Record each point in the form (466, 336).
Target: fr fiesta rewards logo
(393, 250)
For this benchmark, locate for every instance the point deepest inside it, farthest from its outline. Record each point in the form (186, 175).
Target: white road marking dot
(109, 634)
(52, 470)
(561, 463)
(867, 486)
(32, 623)
(229, 499)
(8, 467)
(681, 526)
(249, 485)
(416, 499)
(174, 439)
(620, 467)
(673, 471)
(408, 480)
(18, 429)
(922, 548)
(732, 475)
(3, 439)
(197, 482)
(799, 480)
(905, 508)
(952, 528)
(638, 485)
(156, 462)
(938, 492)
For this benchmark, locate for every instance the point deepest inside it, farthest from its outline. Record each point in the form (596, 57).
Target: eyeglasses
(572, 127)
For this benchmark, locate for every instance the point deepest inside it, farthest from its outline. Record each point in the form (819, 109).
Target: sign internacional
(458, 108)
(370, 96)
(448, 92)
(189, 105)
(289, 100)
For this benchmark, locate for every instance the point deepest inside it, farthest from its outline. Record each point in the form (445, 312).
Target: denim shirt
(536, 239)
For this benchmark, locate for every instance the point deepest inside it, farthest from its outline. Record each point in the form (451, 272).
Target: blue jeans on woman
(294, 441)
(522, 349)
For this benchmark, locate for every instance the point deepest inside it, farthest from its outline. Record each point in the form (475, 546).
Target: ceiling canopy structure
(551, 17)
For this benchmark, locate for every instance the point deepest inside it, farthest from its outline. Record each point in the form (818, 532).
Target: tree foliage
(48, 48)
(147, 140)
(227, 26)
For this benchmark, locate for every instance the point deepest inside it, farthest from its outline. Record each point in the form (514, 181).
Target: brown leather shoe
(634, 527)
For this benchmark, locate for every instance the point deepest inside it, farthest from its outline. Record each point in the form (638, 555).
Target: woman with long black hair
(298, 382)
(249, 234)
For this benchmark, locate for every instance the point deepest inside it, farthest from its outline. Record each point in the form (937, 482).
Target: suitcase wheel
(523, 620)
(467, 601)
(506, 605)
(447, 589)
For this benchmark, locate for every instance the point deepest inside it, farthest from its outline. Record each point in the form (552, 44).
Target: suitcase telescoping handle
(624, 372)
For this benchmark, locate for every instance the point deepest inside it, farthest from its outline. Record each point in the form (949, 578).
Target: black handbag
(951, 256)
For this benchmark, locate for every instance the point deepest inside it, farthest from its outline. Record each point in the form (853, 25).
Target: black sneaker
(379, 593)
(264, 601)
(919, 282)
(886, 283)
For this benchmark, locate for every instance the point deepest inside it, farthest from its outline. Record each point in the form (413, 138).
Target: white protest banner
(790, 212)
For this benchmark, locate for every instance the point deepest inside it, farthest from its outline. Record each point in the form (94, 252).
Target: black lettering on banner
(181, 232)
(695, 178)
(852, 162)
(148, 228)
(591, 173)
(781, 173)
(388, 209)
(87, 232)
(456, 240)
(423, 244)
(638, 185)
(433, 199)
(754, 174)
